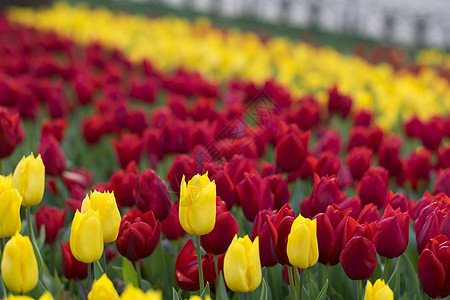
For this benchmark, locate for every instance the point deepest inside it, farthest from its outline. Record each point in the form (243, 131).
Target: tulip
(339, 103)
(53, 220)
(442, 182)
(94, 127)
(152, 193)
(123, 184)
(419, 163)
(241, 266)
(133, 293)
(8, 132)
(29, 179)
(279, 232)
(368, 214)
(86, 236)
(56, 127)
(392, 233)
(182, 165)
(359, 258)
(358, 161)
(363, 118)
(224, 184)
(444, 156)
(431, 222)
(389, 154)
(103, 289)
(138, 234)
(198, 205)
(71, 267)
(46, 296)
(10, 202)
(373, 186)
(379, 291)
(217, 241)
(433, 267)
(413, 127)
(128, 148)
(171, 226)
(52, 155)
(328, 163)
(105, 204)
(261, 229)
(325, 192)
(19, 266)
(398, 201)
(302, 248)
(291, 147)
(330, 140)
(432, 133)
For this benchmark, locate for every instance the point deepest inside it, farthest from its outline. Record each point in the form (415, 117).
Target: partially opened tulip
(29, 179)
(10, 201)
(19, 266)
(302, 246)
(379, 291)
(242, 266)
(106, 205)
(86, 236)
(103, 289)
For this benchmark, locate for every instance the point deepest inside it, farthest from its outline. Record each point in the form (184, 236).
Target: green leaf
(323, 293)
(263, 290)
(413, 287)
(175, 295)
(129, 273)
(145, 285)
(206, 291)
(221, 291)
(98, 270)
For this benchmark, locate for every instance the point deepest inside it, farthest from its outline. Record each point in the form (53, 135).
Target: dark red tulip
(137, 121)
(358, 161)
(442, 182)
(277, 93)
(52, 155)
(432, 133)
(224, 186)
(363, 118)
(237, 167)
(217, 241)
(392, 234)
(444, 157)
(178, 106)
(280, 190)
(389, 154)
(144, 89)
(306, 170)
(305, 114)
(138, 234)
(330, 140)
(339, 103)
(369, 214)
(254, 194)
(419, 163)
(181, 165)
(359, 258)
(328, 164)
(77, 181)
(397, 201)
(8, 132)
(374, 137)
(267, 169)
(261, 228)
(53, 220)
(84, 88)
(279, 232)
(413, 127)
(171, 226)
(291, 147)
(151, 139)
(94, 127)
(124, 183)
(434, 267)
(354, 203)
(373, 186)
(152, 193)
(325, 192)
(186, 268)
(56, 127)
(357, 137)
(71, 267)
(128, 148)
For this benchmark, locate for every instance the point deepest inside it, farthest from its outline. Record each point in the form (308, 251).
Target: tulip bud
(358, 161)
(302, 248)
(19, 266)
(325, 192)
(123, 184)
(46, 296)
(103, 289)
(339, 103)
(224, 184)
(363, 118)
(241, 266)
(171, 226)
(373, 186)
(106, 205)
(198, 205)
(217, 241)
(433, 267)
(379, 291)
(442, 182)
(56, 127)
(86, 236)
(261, 229)
(444, 156)
(71, 267)
(432, 133)
(419, 163)
(328, 163)
(52, 155)
(128, 148)
(153, 194)
(133, 293)
(53, 220)
(138, 234)
(182, 165)
(10, 202)
(8, 132)
(389, 155)
(392, 233)
(29, 179)
(359, 258)
(368, 214)
(279, 231)
(291, 147)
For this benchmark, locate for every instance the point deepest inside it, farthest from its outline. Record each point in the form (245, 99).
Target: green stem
(308, 273)
(105, 265)
(200, 267)
(139, 272)
(359, 289)
(89, 277)
(320, 276)
(3, 287)
(165, 282)
(216, 266)
(302, 279)
(292, 282)
(29, 225)
(387, 265)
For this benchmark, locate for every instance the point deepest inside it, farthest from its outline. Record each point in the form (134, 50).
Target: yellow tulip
(379, 291)
(19, 266)
(242, 265)
(29, 179)
(302, 247)
(105, 204)
(195, 297)
(10, 202)
(12, 297)
(46, 296)
(103, 289)
(86, 236)
(133, 293)
(198, 205)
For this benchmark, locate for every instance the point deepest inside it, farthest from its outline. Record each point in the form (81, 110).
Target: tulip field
(166, 158)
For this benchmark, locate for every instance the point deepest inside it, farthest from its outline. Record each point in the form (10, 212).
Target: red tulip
(442, 182)
(432, 132)
(71, 267)
(53, 220)
(152, 193)
(137, 121)
(359, 258)
(398, 201)
(330, 140)
(224, 185)
(8, 132)
(138, 234)
(357, 137)
(181, 165)
(369, 214)
(306, 114)
(358, 161)
(434, 267)
(261, 229)
(217, 241)
(444, 157)
(52, 155)
(56, 127)
(354, 203)
(128, 148)
(291, 147)
(338, 103)
(280, 190)
(279, 232)
(171, 226)
(419, 163)
(389, 155)
(144, 89)
(413, 127)
(325, 192)
(373, 186)
(124, 183)
(363, 118)
(328, 164)
(94, 127)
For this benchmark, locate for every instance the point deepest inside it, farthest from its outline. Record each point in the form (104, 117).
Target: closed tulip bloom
(379, 291)
(19, 266)
(86, 236)
(103, 289)
(392, 234)
(128, 148)
(302, 247)
(71, 267)
(8, 132)
(152, 193)
(10, 202)
(52, 155)
(359, 258)
(373, 186)
(291, 147)
(133, 293)
(442, 182)
(53, 220)
(242, 266)
(105, 204)
(198, 205)
(29, 179)
(358, 160)
(171, 226)
(261, 229)
(46, 296)
(279, 232)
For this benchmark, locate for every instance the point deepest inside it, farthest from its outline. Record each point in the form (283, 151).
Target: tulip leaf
(145, 285)
(413, 287)
(221, 291)
(98, 270)
(175, 295)
(129, 273)
(206, 291)
(263, 290)
(323, 292)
